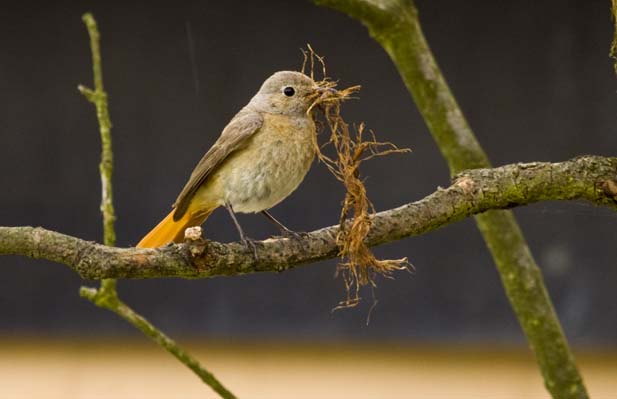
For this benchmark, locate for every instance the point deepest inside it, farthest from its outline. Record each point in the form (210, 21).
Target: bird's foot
(250, 246)
(296, 235)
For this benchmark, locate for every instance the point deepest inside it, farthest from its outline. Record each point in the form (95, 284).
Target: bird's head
(288, 93)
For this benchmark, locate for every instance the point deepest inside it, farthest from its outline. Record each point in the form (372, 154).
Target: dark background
(533, 78)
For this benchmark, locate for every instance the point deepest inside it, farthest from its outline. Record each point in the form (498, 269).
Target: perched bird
(260, 158)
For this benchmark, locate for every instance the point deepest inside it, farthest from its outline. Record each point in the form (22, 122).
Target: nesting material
(359, 266)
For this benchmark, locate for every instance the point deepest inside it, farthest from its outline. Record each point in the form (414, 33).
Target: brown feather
(240, 128)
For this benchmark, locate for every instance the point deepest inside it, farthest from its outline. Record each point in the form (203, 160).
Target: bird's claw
(250, 246)
(296, 235)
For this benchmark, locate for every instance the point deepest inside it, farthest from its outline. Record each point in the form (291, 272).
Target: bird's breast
(271, 165)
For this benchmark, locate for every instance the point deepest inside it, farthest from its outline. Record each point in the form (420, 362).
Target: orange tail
(169, 230)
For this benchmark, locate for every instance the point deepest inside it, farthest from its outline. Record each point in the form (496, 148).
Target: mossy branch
(589, 178)
(613, 50)
(98, 97)
(107, 296)
(109, 300)
(396, 26)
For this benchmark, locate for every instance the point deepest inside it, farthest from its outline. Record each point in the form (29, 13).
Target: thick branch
(590, 178)
(396, 26)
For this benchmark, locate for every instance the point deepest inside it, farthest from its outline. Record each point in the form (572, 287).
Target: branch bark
(396, 26)
(590, 178)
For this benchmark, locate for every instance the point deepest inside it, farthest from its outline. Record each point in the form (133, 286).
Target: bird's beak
(325, 90)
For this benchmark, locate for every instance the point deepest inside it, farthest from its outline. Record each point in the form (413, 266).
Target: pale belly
(271, 167)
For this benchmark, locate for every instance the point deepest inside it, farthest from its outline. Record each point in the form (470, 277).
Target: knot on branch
(104, 298)
(197, 247)
(609, 188)
(465, 183)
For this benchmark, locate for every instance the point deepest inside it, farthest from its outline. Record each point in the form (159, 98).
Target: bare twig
(613, 50)
(107, 296)
(98, 97)
(113, 303)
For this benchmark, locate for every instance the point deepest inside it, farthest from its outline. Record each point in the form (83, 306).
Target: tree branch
(396, 26)
(590, 178)
(107, 296)
(98, 97)
(109, 299)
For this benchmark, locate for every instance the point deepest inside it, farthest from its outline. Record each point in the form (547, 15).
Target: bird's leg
(250, 245)
(286, 232)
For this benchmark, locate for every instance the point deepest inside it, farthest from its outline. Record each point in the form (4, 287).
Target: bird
(260, 158)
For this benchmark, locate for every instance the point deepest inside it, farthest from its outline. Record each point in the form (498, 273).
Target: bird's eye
(289, 91)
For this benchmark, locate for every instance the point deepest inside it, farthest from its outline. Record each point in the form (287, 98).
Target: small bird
(260, 158)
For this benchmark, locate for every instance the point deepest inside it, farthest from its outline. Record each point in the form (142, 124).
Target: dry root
(360, 267)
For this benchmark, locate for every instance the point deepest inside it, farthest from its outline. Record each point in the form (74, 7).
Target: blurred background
(535, 82)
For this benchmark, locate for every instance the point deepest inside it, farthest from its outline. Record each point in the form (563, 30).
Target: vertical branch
(98, 97)
(613, 50)
(395, 25)
(107, 296)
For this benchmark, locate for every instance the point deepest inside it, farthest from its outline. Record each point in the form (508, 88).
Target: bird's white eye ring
(289, 91)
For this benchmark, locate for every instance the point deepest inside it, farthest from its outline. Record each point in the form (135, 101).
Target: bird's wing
(235, 134)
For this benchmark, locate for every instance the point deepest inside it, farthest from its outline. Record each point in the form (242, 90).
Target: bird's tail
(169, 230)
